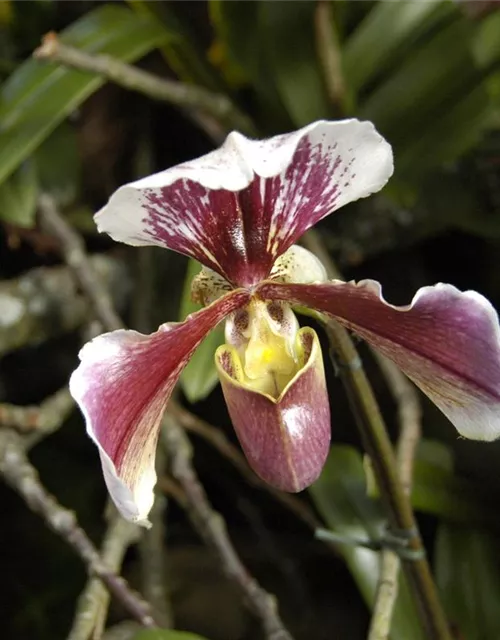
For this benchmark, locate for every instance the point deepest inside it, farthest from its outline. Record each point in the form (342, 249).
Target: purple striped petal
(446, 341)
(123, 384)
(238, 208)
(285, 440)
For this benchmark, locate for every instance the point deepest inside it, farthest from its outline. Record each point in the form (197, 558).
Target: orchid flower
(239, 210)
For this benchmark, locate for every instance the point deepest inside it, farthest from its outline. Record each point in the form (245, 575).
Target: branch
(212, 529)
(410, 415)
(90, 614)
(74, 254)
(199, 103)
(378, 446)
(45, 302)
(23, 478)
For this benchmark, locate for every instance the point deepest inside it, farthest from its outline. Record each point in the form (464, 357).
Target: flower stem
(379, 448)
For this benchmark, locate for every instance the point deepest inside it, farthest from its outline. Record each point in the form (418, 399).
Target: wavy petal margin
(285, 440)
(238, 208)
(122, 386)
(446, 341)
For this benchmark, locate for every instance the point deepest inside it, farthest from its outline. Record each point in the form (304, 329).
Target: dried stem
(410, 415)
(212, 529)
(378, 446)
(219, 441)
(23, 478)
(38, 420)
(91, 612)
(213, 112)
(73, 250)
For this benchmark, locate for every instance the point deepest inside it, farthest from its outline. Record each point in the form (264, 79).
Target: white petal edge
(232, 167)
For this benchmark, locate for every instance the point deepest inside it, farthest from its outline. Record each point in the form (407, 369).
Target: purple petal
(123, 384)
(240, 207)
(286, 440)
(446, 341)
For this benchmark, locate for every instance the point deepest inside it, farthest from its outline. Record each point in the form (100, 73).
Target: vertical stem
(379, 448)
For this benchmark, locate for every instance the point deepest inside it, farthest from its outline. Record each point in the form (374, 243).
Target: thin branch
(23, 478)
(378, 446)
(212, 529)
(76, 258)
(220, 442)
(199, 102)
(45, 302)
(410, 415)
(38, 420)
(91, 612)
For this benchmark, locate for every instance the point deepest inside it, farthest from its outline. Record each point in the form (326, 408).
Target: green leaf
(426, 84)
(468, 576)
(297, 76)
(438, 491)
(341, 498)
(39, 95)
(180, 48)
(18, 196)
(388, 27)
(166, 634)
(239, 30)
(199, 377)
(59, 165)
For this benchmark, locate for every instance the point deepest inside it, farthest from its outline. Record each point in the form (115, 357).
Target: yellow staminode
(269, 360)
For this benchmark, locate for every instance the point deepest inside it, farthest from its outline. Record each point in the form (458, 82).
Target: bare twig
(45, 302)
(75, 257)
(153, 560)
(378, 446)
(23, 478)
(212, 529)
(219, 441)
(92, 606)
(199, 102)
(409, 412)
(38, 420)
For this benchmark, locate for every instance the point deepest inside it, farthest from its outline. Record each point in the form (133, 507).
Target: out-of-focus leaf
(39, 95)
(468, 576)
(18, 196)
(180, 46)
(430, 78)
(166, 634)
(486, 50)
(59, 165)
(447, 136)
(340, 496)
(199, 377)
(5, 12)
(297, 76)
(386, 29)
(437, 490)
(238, 27)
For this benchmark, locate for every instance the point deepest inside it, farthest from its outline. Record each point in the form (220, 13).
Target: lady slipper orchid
(239, 210)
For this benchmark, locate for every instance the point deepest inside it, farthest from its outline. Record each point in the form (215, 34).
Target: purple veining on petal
(240, 234)
(122, 385)
(240, 207)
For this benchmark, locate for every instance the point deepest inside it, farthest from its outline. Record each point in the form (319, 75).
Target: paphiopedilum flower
(239, 210)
